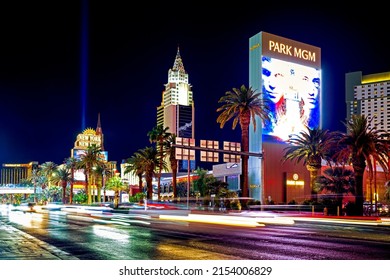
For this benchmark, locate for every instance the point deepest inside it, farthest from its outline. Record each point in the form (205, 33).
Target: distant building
(369, 95)
(177, 111)
(15, 173)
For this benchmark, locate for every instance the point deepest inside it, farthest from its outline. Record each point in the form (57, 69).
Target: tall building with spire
(99, 131)
(84, 140)
(177, 111)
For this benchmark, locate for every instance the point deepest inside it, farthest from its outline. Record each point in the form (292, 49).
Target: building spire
(99, 131)
(178, 64)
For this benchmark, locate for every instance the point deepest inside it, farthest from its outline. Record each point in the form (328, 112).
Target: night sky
(118, 56)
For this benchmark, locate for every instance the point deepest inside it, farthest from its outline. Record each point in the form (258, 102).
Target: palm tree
(243, 105)
(200, 184)
(71, 163)
(387, 191)
(27, 183)
(135, 166)
(362, 146)
(101, 171)
(47, 170)
(338, 180)
(159, 135)
(115, 183)
(311, 146)
(149, 161)
(35, 179)
(62, 176)
(171, 151)
(87, 162)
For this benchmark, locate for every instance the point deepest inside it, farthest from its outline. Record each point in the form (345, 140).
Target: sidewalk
(17, 245)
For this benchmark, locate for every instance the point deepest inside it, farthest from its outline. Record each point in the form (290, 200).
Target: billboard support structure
(185, 150)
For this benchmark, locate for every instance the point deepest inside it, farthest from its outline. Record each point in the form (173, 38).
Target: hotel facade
(369, 95)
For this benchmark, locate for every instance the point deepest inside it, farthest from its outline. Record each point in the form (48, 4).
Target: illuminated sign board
(290, 50)
(289, 75)
(77, 153)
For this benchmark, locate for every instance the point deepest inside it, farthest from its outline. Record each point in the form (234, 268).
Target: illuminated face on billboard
(294, 92)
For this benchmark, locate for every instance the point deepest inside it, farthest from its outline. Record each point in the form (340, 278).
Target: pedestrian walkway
(17, 245)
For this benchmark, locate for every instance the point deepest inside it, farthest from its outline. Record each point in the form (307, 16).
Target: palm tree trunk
(35, 194)
(160, 170)
(140, 182)
(359, 194)
(99, 196)
(149, 185)
(313, 178)
(244, 122)
(71, 187)
(87, 188)
(174, 178)
(64, 192)
(116, 200)
(359, 166)
(104, 187)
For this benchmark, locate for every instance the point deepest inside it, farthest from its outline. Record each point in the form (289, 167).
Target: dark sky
(123, 55)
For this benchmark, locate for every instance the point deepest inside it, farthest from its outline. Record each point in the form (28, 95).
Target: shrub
(235, 205)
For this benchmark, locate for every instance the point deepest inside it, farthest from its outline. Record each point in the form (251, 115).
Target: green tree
(101, 172)
(310, 147)
(89, 160)
(135, 165)
(51, 193)
(26, 183)
(149, 161)
(201, 183)
(387, 192)
(36, 180)
(115, 184)
(71, 164)
(62, 176)
(337, 180)
(159, 135)
(47, 169)
(171, 151)
(363, 146)
(243, 105)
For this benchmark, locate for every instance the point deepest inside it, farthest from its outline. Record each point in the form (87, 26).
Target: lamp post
(188, 182)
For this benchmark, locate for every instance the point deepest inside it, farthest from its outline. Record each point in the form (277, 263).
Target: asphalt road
(142, 236)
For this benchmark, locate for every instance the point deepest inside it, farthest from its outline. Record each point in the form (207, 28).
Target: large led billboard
(288, 73)
(77, 154)
(294, 91)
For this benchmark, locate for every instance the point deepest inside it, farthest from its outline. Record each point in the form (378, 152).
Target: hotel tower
(177, 110)
(369, 95)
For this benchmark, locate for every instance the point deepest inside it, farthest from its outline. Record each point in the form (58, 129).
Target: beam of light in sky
(84, 61)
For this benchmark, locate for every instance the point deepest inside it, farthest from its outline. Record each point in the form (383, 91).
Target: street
(141, 236)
